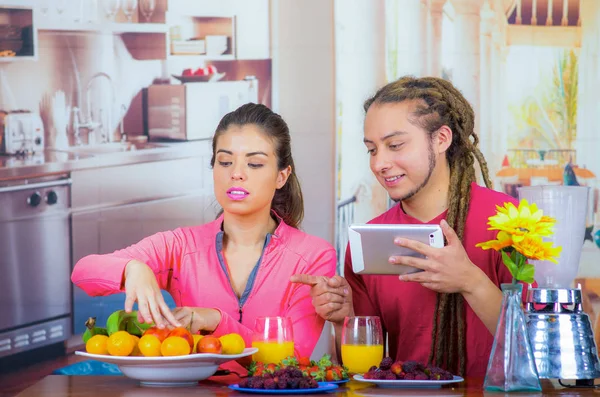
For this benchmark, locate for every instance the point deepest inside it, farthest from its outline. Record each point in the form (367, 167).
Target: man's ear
(443, 139)
(283, 175)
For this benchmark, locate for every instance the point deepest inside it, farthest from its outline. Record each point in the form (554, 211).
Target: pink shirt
(407, 308)
(186, 264)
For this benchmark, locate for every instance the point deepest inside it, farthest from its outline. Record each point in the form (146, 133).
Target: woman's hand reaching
(141, 287)
(197, 318)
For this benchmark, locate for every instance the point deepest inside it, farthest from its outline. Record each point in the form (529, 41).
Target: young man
(419, 134)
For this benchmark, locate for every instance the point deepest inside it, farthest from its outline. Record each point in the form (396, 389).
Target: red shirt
(407, 308)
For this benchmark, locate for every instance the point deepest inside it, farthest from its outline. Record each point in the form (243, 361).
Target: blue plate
(324, 387)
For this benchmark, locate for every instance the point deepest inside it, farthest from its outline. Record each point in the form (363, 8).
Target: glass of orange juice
(362, 343)
(274, 338)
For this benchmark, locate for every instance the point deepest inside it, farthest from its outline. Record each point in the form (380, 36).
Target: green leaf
(512, 267)
(526, 273)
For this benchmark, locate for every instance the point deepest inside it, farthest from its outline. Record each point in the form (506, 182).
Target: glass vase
(511, 366)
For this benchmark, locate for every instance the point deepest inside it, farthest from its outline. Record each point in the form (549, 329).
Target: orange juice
(272, 352)
(359, 358)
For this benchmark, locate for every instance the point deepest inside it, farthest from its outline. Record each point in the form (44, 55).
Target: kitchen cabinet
(115, 207)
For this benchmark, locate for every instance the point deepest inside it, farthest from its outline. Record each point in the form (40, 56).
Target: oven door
(35, 287)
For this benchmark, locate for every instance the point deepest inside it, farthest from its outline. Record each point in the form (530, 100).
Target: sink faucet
(88, 123)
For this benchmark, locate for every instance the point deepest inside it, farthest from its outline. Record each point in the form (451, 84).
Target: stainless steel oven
(35, 287)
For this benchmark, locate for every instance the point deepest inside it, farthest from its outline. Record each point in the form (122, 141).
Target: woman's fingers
(144, 309)
(159, 321)
(168, 315)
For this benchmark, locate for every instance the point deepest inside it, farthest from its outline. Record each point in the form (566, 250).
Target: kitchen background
(122, 97)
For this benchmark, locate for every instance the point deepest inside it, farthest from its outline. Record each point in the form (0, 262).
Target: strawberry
(304, 361)
(337, 371)
(329, 376)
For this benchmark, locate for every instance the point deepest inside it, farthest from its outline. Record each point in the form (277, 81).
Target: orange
(149, 346)
(97, 345)
(136, 349)
(232, 344)
(120, 344)
(196, 337)
(175, 346)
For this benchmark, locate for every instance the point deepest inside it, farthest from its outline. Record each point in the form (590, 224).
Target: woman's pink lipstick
(237, 193)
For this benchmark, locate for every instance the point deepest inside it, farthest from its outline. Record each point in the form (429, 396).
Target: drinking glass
(129, 7)
(147, 8)
(362, 343)
(274, 339)
(111, 7)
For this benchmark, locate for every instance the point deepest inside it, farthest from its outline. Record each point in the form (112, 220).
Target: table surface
(119, 386)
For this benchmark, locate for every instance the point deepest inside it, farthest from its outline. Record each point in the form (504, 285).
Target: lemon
(149, 346)
(175, 346)
(136, 349)
(97, 345)
(120, 344)
(232, 344)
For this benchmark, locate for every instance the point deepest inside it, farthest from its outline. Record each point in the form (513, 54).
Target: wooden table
(119, 386)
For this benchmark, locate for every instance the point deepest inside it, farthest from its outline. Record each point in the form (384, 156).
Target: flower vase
(511, 366)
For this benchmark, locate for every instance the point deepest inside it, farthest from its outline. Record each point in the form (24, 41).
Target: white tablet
(371, 246)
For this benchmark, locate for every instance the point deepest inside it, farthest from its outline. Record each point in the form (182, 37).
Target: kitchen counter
(59, 162)
(102, 386)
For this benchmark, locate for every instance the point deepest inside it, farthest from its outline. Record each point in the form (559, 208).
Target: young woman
(226, 273)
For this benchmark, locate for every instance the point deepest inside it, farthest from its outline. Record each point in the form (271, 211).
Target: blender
(560, 332)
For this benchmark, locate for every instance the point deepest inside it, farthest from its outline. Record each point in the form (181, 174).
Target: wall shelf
(17, 34)
(114, 28)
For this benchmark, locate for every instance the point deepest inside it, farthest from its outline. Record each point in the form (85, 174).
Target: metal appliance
(192, 111)
(21, 132)
(35, 252)
(560, 332)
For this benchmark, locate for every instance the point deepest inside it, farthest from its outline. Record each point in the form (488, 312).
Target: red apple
(160, 333)
(183, 333)
(210, 344)
(188, 72)
(200, 72)
(211, 69)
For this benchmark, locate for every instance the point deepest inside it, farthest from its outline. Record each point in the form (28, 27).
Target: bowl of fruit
(205, 74)
(159, 357)
(407, 374)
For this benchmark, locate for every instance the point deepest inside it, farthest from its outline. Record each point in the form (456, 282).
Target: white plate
(169, 371)
(409, 383)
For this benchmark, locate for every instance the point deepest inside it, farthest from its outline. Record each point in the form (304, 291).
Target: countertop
(52, 161)
(103, 386)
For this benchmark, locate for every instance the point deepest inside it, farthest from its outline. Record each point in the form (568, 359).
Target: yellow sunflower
(503, 240)
(524, 220)
(532, 247)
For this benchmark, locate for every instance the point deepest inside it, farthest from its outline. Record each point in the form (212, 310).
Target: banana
(120, 320)
(92, 330)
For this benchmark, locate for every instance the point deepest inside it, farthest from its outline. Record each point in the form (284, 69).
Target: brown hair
(288, 202)
(439, 103)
